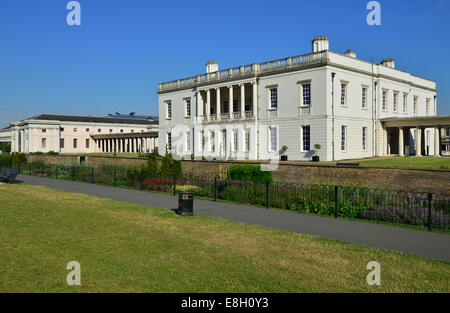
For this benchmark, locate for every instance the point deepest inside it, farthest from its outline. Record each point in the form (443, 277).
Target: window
(364, 138)
(61, 143)
(202, 140)
(235, 105)
(395, 102)
(306, 138)
(273, 98)
(247, 140)
(44, 130)
(447, 132)
(211, 141)
(110, 130)
(121, 130)
(226, 107)
(235, 140)
(87, 143)
(44, 143)
(343, 94)
(169, 141)
(99, 130)
(343, 138)
(188, 107)
(75, 143)
(75, 130)
(306, 88)
(383, 105)
(87, 130)
(169, 110)
(61, 129)
(364, 97)
(188, 141)
(415, 106)
(273, 139)
(427, 107)
(405, 101)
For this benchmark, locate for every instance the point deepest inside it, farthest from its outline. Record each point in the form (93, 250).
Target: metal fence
(413, 208)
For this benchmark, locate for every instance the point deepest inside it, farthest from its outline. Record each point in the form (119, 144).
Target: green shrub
(52, 153)
(250, 172)
(18, 158)
(37, 153)
(5, 159)
(5, 147)
(171, 167)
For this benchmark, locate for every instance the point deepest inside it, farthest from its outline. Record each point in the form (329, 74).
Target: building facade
(83, 134)
(322, 103)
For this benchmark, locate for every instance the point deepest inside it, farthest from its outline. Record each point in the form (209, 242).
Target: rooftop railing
(243, 71)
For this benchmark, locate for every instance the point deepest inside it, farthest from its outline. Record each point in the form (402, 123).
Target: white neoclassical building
(82, 134)
(344, 104)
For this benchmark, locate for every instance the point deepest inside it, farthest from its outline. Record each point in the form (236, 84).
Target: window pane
(307, 94)
(306, 138)
(273, 98)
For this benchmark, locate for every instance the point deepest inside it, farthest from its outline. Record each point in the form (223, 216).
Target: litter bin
(185, 203)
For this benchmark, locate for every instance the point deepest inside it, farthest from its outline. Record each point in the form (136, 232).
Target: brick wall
(384, 178)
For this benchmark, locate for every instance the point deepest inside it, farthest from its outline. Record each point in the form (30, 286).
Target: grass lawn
(442, 163)
(133, 248)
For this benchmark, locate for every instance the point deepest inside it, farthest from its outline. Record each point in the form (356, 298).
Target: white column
(437, 144)
(30, 140)
(418, 142)
(242, 100)
(385, 141)
(200, 104)
(58, 139)
(38, 143)
(208, 104)
(255, 99)
(230, 100)
(218, 103)
(401, 147)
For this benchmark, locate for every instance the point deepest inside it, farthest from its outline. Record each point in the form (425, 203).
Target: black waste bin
(185, 203)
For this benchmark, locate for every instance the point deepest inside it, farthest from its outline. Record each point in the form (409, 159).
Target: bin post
(430, 199)
(336, 190)
(174, 184)
(267, 195)
(42, 170)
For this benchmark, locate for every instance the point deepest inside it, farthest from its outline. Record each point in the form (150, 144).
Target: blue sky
(123, 48)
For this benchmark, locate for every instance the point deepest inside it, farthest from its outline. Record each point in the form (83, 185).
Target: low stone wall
(408, 180)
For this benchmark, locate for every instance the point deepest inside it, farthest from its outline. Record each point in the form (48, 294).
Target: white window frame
(169, 141)
(405, 103)
(302, 137)
(211, 141)
(384, 100)
(395, 102)
(302, 93)
(270, 98)
(364, 138)
(343, 93)
(270, 129)
(247, 140)
(364, 93)
(187, 112)
(235, 140)
(168, 110)
(188, 141)
(344, 138)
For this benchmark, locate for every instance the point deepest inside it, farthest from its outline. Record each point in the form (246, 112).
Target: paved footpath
(423, 243)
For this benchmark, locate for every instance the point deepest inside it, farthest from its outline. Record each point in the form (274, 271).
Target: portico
(234, 101)
(402, 136)
(144, 142)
